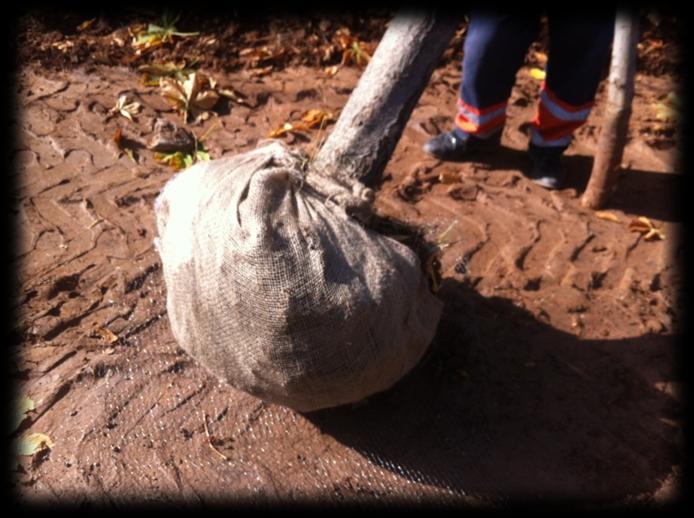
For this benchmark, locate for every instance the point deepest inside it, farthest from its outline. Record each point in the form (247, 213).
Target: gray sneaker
(451, 147)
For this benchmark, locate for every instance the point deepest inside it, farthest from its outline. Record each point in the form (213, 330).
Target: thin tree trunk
(604, 176)
(375, 115)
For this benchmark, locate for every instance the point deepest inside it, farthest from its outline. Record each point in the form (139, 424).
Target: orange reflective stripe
(551, 127)
(471, 127)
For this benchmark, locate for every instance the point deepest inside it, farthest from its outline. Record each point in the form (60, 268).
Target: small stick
(209, 441)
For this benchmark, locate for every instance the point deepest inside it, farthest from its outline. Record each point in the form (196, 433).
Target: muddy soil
(552, 375)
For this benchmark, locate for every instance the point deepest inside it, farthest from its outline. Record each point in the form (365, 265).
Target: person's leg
(494, 49)
(578, 52)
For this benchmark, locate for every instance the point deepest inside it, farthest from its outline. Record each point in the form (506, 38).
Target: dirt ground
(552, 375)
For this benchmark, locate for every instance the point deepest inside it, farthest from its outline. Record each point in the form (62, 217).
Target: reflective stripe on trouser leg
(482, 123)
(556, 120)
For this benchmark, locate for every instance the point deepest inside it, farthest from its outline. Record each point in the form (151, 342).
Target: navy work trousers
(494, 50)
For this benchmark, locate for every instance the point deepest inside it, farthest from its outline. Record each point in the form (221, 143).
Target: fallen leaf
(106, 334)
(257, 56)
(331, 71)
(63, 46)
(176, 160)
(151, 73)
(644, 226)
(193, 96)
(33, 443)
(668, 109)
(286, 128)
(537, 73)
(606, 215)
(23, 407)
(315, 117)
(353, 50)
(85, 25)
(126, 109)
(154, 35)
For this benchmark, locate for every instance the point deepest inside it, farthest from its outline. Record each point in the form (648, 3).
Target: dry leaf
(192, 96)
(126, 109)
(315, 117)
(286, 128)
(353, 50)
(85, 25)
(606, 215)
(24, 406)
(176, 161)
(644, 226)
(309, 119)
(106, 334)
(32, 443)
(153, 72)
(537, 73)
(146, 39)
(668, 109)
(331, 71)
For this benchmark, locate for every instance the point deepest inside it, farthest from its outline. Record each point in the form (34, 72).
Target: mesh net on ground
(275, 289)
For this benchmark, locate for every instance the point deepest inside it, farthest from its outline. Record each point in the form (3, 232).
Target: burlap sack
(276, 290)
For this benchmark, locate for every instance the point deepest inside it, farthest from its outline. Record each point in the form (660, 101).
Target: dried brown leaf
(606, 215)
(331, 71)
(644, 226)
(86, 25)
(315, 117)
(192, 96)
(22, 408)
(33, 443)
(106, 334)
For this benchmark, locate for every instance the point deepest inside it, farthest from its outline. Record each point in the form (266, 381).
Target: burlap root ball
(276, 290)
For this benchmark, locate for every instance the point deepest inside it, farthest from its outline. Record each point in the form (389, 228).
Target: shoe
(450, 146)
(548, 170)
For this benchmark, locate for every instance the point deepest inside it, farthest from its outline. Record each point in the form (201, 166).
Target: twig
(209, 441)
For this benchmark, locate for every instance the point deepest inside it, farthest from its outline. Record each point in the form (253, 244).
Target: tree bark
(375, 115)
(604, 176)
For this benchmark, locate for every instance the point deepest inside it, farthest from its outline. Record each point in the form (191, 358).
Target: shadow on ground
(646, 193)
(506, 405)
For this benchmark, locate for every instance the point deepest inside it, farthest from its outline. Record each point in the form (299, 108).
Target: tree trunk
(375, 115)
(603, 178)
